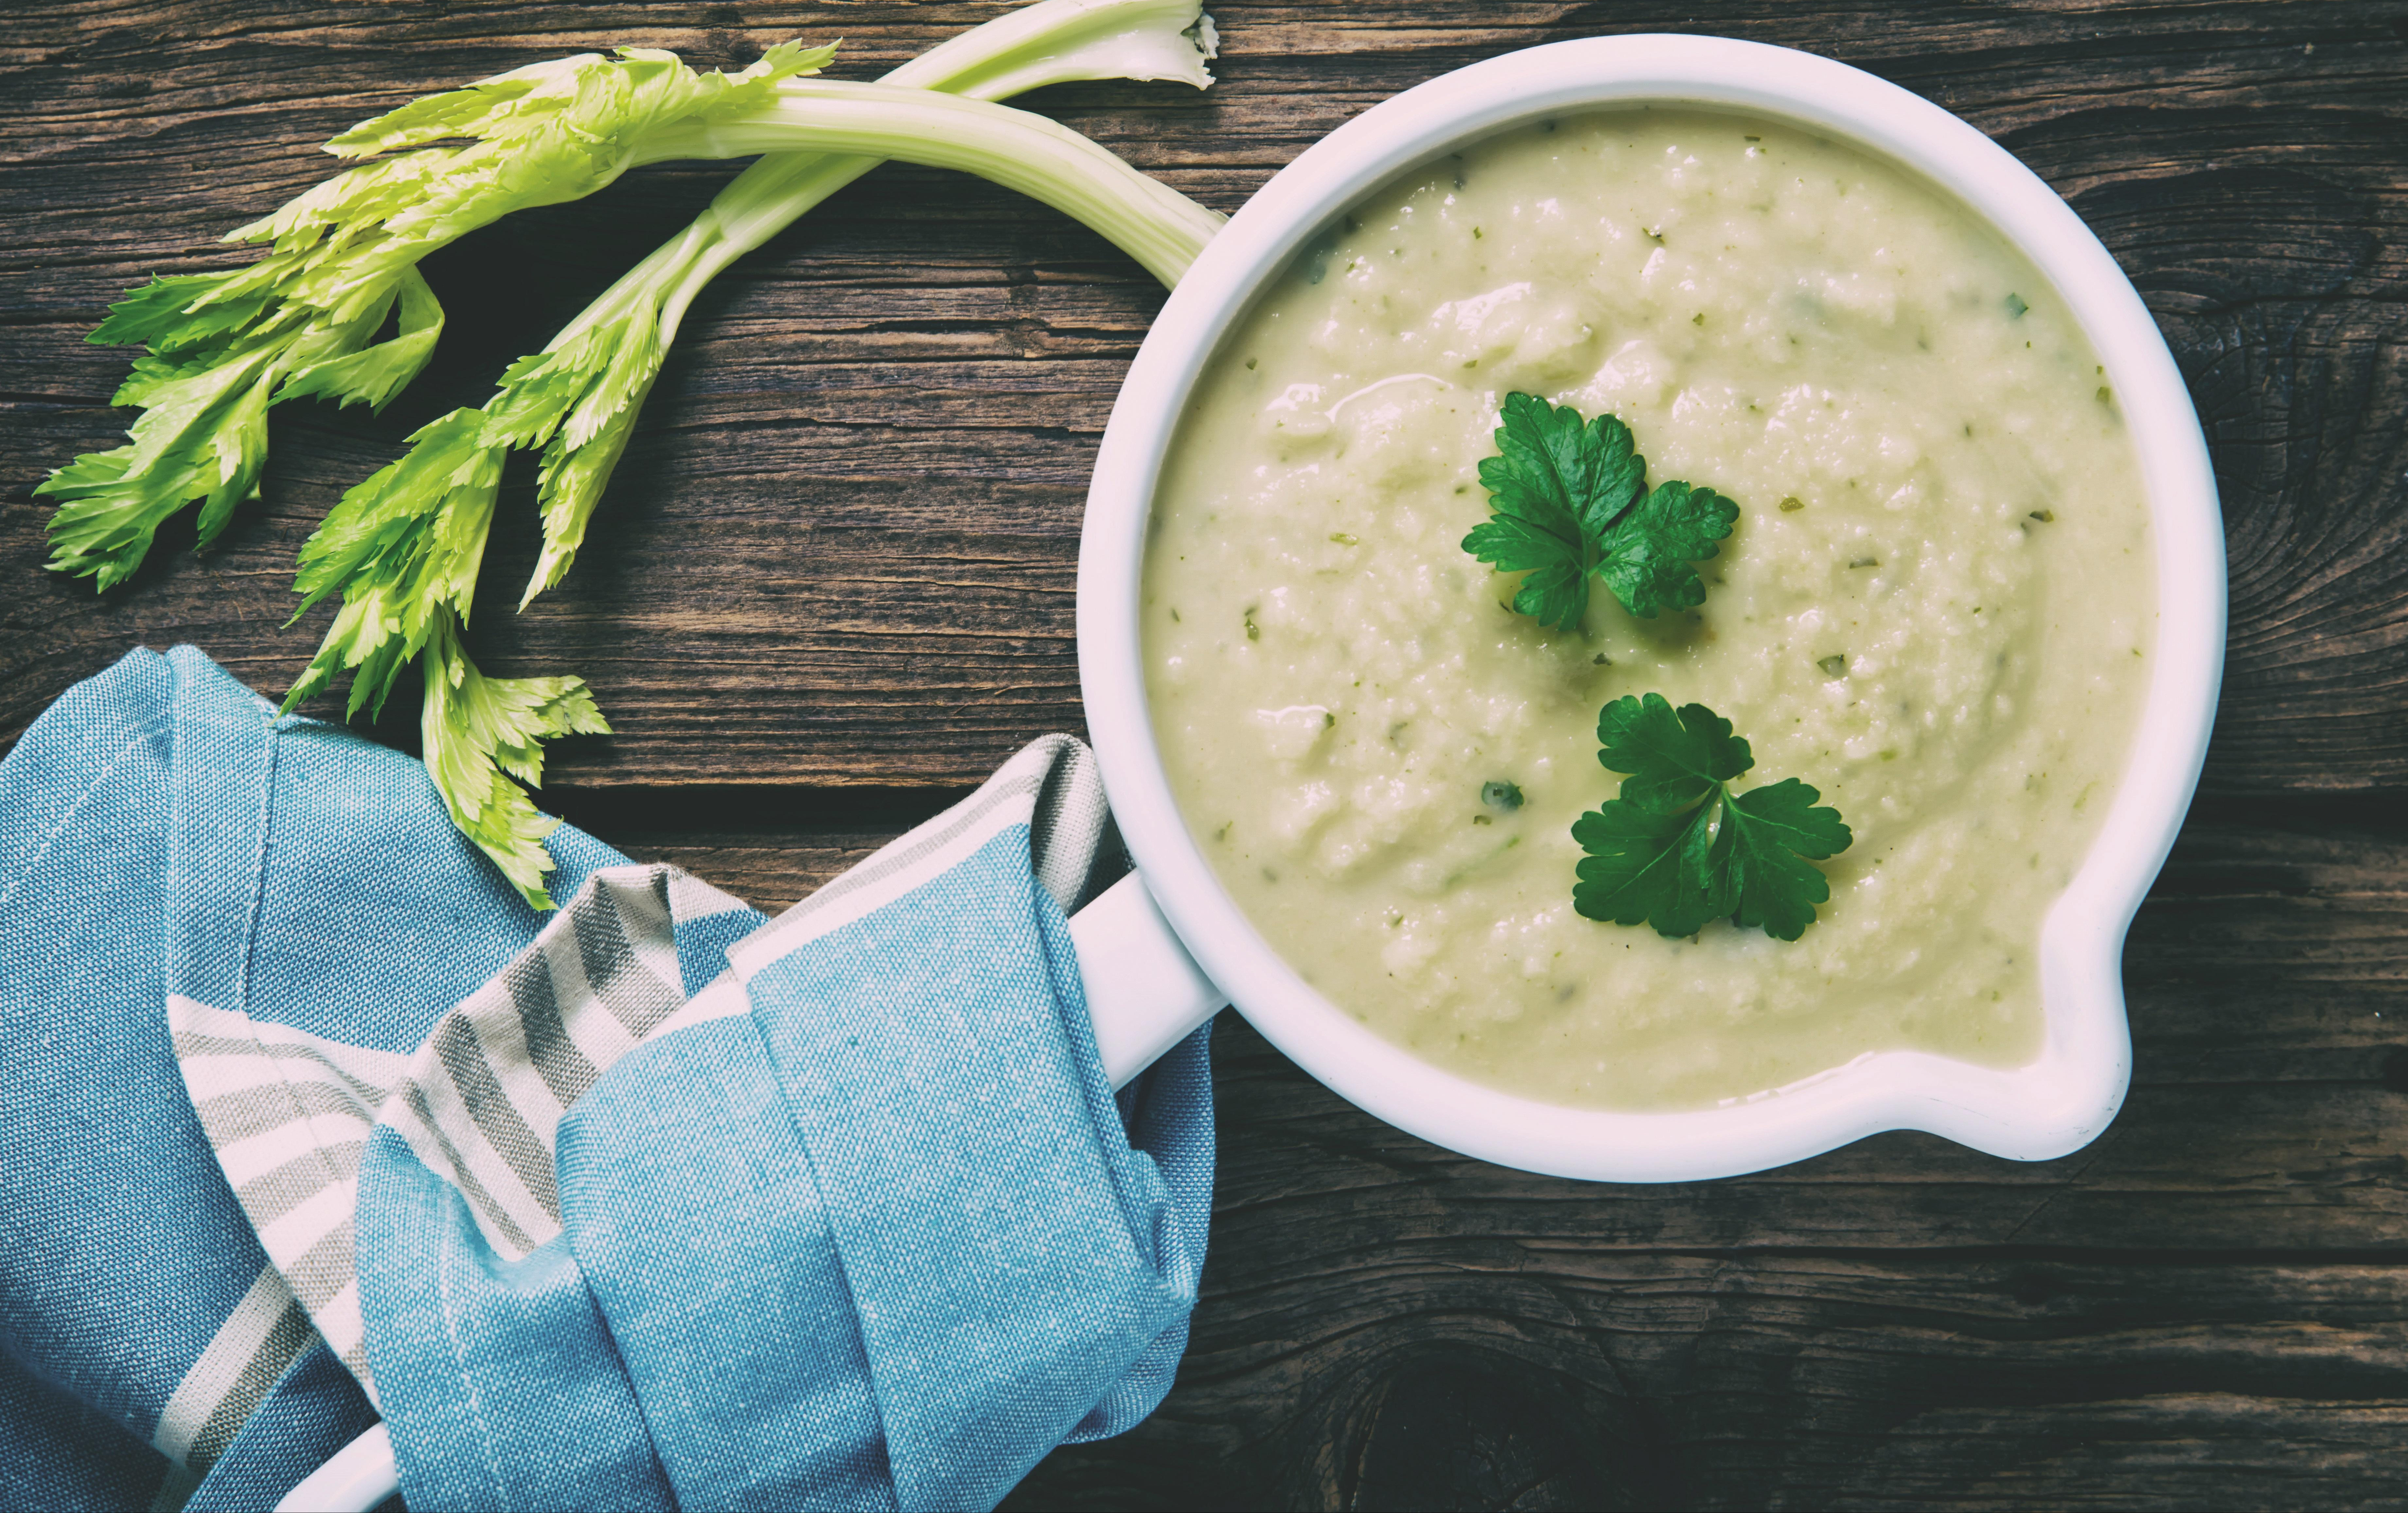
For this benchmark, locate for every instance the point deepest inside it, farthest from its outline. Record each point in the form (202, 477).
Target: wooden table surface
(831, 588)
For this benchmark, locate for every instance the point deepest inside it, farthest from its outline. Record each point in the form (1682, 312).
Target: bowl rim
(2046, 1108)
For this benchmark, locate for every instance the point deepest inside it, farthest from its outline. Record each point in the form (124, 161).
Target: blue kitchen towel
(647, 1203)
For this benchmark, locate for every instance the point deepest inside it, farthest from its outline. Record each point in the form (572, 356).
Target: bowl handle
(356, 1479)
(1144, 992)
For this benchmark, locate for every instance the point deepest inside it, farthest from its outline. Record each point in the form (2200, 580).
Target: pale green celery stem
(1057, 41)
(1052, 42)
(762, 201)
(1163, 229)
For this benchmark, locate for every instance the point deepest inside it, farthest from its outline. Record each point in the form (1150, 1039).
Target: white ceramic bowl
(2057, 1103)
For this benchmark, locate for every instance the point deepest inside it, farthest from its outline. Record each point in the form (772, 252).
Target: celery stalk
(224, 346)
(605, 360)
(1153, 222)
(398, 548)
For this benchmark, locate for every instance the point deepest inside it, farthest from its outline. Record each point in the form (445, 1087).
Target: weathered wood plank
(1547, 1379)
(769, 846)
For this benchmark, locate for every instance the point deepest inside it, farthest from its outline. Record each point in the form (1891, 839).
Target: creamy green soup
(1937, 605)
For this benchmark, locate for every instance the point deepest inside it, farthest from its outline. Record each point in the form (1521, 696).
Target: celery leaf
(301, 321)
(482, 733)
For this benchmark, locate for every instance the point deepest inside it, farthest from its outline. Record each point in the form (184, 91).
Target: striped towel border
(289, 1113)
(264, 1334)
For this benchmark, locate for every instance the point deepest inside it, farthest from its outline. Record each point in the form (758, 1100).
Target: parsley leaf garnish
(1656, 855)
(1569, 505)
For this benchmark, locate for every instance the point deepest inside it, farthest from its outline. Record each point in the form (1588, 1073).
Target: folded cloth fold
(648, 1202)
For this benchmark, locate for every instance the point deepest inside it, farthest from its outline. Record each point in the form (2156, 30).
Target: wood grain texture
(832, 588)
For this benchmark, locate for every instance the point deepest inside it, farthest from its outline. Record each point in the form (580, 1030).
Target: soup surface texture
(1937, 605)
